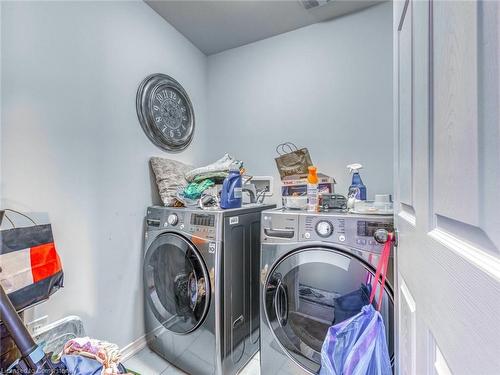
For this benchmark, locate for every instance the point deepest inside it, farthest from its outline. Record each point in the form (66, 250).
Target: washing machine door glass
(177, 285)
(312, 289)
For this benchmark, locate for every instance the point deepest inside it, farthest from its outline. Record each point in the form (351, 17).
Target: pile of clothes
(182, 185)
(86, 356)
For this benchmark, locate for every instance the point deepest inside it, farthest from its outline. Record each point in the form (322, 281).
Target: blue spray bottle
(357, 189)
(231, 193)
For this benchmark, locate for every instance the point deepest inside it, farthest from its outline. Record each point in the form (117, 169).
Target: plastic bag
(217, 170)
(358, 346)
(195, 189)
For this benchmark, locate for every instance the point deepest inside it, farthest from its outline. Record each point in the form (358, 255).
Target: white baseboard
(133, 348)
(137, 345)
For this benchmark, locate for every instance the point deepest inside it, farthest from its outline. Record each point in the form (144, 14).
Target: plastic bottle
(231, 189)
(357, 190)
(312, 190)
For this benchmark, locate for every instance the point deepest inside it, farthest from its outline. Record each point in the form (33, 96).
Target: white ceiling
(214, 25)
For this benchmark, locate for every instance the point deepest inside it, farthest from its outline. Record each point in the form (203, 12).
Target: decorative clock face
(165, 112)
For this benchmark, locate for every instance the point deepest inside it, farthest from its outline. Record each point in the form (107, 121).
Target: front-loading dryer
(201, 286)
(316, 270)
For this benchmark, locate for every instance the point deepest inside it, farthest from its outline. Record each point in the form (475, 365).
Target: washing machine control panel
(349, 230)
(201, 225)
(172, 219)
(345, 229)
(324, 228)
(189, 223)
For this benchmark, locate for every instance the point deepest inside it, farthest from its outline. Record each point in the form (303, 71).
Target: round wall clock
(165, 112)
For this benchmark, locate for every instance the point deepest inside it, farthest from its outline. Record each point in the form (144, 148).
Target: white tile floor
(147, 362)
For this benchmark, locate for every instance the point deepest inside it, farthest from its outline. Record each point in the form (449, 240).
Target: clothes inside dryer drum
(302, 293)
(176, 281)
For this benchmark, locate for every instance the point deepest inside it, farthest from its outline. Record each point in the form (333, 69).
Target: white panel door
(447, 196)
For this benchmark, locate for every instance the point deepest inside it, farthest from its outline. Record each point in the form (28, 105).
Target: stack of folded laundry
(181, 185)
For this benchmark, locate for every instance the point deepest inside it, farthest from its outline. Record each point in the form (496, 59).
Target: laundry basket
(53, 336)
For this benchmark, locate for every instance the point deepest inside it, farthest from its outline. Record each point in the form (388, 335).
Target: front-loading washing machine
(316, 270)
(201, 286)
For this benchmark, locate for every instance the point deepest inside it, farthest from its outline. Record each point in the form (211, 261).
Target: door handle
(281, 233)
(281, 315)
(238, 321)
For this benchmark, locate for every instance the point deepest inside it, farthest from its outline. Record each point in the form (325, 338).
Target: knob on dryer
(324, 228)
(172, 219)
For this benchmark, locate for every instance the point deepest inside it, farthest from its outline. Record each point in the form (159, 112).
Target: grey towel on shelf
(170, 178)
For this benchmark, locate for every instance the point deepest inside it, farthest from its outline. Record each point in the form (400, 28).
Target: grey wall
(1, 101)
(72, 146)
(327, 86)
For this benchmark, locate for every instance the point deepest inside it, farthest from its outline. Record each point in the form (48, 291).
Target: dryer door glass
(312, 289)
(177, 285)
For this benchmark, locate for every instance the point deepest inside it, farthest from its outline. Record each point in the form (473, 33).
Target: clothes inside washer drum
(311, 332)
(181, 283)
(350, 304)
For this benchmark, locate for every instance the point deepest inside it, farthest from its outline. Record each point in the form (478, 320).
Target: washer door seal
(176, 283)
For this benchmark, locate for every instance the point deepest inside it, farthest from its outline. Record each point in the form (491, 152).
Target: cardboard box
(288, 190)
(302, 180)
(297, 185)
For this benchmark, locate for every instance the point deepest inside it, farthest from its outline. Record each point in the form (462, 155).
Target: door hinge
(395, 238)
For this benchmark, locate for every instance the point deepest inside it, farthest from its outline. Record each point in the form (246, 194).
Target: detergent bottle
(312, 189)
(231, 189)
(357, 190)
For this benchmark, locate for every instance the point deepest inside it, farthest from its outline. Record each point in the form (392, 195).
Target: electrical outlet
(263, 183)
(35, 325)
